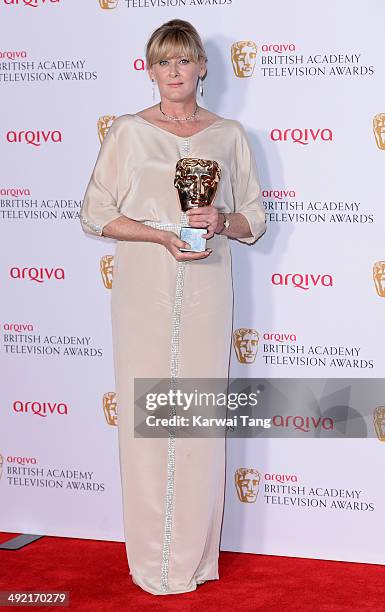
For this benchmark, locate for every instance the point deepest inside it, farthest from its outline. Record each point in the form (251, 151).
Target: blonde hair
(174, 38)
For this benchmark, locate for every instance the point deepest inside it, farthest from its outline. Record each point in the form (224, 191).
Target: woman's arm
(128, 229)
(248, 222)
(125, 228)
(239, 226)
(247, 192)
(200, 217)
(100, 213)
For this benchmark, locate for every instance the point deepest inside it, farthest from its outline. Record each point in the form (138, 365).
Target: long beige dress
(173, 320)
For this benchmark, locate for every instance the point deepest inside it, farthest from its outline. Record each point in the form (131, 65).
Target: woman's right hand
(173, 243)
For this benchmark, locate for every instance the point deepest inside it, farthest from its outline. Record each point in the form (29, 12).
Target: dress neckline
(177, 135)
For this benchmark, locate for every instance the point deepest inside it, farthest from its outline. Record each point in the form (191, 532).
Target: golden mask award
(196, 181)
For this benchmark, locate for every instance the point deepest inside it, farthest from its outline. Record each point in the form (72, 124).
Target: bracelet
(226, 223)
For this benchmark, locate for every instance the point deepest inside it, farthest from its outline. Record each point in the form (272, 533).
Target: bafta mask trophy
(196, 181)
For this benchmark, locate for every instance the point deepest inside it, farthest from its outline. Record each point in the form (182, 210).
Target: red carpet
(96, 575)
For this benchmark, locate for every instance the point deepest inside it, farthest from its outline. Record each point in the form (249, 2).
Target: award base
(193, 235)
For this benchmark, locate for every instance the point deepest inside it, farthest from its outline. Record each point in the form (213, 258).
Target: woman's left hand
(204, 217)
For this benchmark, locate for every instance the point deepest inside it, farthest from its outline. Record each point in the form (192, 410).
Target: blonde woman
(171, 309)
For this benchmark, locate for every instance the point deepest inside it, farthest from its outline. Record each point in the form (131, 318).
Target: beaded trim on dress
(174, 361)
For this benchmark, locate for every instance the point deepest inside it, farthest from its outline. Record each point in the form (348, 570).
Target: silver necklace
(178, 118)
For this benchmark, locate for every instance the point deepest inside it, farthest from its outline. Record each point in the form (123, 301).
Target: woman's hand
(173, 243)
(204, 217)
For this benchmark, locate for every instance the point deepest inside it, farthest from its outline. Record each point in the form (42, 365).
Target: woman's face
(177, 77)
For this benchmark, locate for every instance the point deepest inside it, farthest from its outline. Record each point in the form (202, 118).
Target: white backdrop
(308, 108)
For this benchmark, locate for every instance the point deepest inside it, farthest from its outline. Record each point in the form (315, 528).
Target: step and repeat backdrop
(306, 81)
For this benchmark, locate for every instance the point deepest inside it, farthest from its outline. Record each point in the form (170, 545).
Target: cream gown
(169, 319)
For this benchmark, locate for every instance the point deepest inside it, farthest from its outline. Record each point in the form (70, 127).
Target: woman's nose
(173, 69)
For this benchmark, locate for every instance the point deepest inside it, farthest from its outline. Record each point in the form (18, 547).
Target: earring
(201, 87)
(153, 89)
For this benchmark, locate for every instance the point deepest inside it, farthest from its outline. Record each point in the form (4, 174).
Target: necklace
(178, 118)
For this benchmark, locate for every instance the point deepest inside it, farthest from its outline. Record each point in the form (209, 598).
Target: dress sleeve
(247, 190)
(100, 204)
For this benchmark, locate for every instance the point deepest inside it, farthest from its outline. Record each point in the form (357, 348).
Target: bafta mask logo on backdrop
(379, 130)
(379, 277)
(110, 408)
(247, 484)
(379, 422)
(104, 124)
(243, 58)
(1, 465)
(107, 270)
(245, 342)
(108, 4)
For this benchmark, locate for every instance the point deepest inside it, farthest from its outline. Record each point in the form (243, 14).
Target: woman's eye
(163, 62)
(184, 61)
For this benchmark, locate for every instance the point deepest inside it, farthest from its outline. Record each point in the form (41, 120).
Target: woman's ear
(202, 69)
(150, 73)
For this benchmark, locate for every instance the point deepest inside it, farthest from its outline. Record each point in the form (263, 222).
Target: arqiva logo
(39, 275)
(280, 48)
(32, 3)
(280, 337)
(34, 137)
(15, 193)
(139, 64)
(301, 136)
(302, 281)
(42, 409)
(12, 55)
(279, 194)
(18, 327)
(22, 460)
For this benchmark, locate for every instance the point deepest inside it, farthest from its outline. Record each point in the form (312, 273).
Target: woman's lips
(175, 84)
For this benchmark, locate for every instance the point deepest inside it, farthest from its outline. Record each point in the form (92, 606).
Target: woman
(171, 310)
